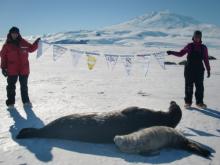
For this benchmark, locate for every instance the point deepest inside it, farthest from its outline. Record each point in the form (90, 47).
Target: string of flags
(111, 59)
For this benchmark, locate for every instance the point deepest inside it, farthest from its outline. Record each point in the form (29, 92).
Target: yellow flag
(91, 60)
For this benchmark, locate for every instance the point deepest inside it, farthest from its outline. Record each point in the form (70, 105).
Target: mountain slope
(156, 27)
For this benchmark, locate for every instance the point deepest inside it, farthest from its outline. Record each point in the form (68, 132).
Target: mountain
(163, 19)
(156, 28)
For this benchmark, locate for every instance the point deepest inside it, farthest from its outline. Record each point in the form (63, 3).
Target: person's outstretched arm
(32, 47)
(180, 53)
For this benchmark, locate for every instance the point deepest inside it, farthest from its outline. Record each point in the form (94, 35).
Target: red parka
(14, 58)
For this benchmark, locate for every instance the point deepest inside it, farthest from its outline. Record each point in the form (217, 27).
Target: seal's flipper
(197, 149)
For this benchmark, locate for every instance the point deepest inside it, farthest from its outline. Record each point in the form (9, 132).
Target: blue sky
(50, 16)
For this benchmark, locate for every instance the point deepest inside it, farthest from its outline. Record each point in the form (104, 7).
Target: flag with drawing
(111, 60)
(128, 62)
(160, 57)
(144, 60)
(76, 54)
(58, 51)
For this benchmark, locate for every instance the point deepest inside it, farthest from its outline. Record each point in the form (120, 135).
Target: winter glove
(208, 73)
(37, 40)
(169, 52)
(4, 72)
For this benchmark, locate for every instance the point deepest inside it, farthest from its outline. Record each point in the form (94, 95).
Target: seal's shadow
(42, 148)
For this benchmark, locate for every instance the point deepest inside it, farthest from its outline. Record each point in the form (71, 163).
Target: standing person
(194, 69)
(15, 65)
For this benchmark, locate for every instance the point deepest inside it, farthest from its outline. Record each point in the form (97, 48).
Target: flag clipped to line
(40, 49)
(128, 62)
(76, 54)
(58, 51)
(145, 62)
(111, 60)
(160, 57)
(91, 59)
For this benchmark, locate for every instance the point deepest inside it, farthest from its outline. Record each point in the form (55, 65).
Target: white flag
(58, 51)
(76, 54)
(128, 62)
(111, 60)
(160, 57)
(40, 49)
(145, 62)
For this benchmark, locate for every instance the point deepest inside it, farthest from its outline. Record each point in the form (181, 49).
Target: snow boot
(187, 105)
(11, 107)
(201, 106)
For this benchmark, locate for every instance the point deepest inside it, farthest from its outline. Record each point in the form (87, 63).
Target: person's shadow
(41, 151)
(42, 148)
(209, 112)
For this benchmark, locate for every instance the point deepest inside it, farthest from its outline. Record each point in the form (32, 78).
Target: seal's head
(125, 143)
(175, 114)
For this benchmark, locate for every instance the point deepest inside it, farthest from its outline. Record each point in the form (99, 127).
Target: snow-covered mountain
(163, 19)
(154, 29)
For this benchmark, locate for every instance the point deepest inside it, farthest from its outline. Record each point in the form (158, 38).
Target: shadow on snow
(209, 112)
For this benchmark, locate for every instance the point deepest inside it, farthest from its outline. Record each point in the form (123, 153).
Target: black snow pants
(194, 75)
(11, 88)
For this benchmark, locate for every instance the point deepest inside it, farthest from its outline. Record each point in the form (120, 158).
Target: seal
(102, 127)
(150, 140)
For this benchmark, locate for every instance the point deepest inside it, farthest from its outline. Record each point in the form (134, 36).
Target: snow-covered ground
(57, 89)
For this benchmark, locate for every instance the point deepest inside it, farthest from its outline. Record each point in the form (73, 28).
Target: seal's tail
(198, 149)
(28, 133)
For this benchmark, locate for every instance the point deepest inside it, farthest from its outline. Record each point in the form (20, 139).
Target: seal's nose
(118, 140)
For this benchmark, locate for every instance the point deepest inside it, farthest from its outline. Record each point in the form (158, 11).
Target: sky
(38, 17)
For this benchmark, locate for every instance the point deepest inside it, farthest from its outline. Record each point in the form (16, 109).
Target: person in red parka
(194, 69)
(15, 65)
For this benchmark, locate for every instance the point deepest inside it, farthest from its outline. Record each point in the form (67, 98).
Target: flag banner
(58, 51)
(91, 61)
(144, 60)
(76, 54)
(160, 57)
(111, 60)
(127, 61)
(40, 49)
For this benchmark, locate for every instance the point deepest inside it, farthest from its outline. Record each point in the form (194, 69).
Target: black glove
(208, 73)
(4, 72)
(37, 40)
(169, 52)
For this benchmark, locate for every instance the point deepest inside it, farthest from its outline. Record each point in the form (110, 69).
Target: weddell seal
(152, 139)
(102, 127)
